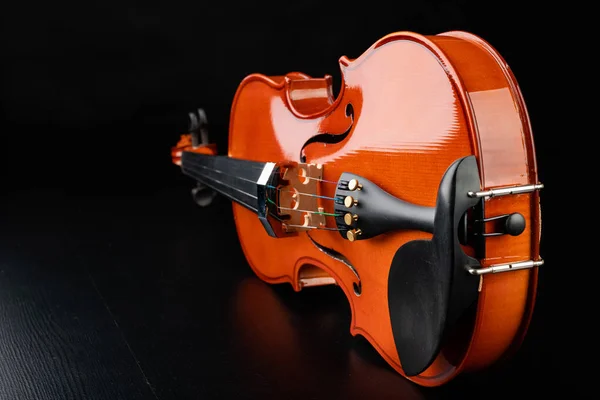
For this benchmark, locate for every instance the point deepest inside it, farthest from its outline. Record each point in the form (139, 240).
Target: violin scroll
(197, 141)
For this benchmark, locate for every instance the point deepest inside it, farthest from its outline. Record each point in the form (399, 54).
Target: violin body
(440, 289)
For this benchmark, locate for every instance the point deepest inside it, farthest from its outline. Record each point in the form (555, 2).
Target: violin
(415, 190)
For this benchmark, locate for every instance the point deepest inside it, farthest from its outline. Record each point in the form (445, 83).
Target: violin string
(269, 186)
(326, 228)
(272, 187)
(304, 194)
(318, 179)
(304, 226)
(308, 211)
(291, 225)
(314, 227)
(290, 209)
(224, 173)
(261, 167)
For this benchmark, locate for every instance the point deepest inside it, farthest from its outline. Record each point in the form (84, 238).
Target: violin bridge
(298, 199)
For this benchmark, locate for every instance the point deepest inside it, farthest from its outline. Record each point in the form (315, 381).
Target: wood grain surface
(58, 339)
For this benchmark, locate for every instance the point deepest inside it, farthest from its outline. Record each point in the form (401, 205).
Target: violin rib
(434, 245)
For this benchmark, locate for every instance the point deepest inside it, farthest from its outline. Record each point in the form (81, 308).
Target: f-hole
(330, 138)
(349, 110)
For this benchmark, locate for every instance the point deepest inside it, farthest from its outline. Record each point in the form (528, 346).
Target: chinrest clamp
(503, 191)
(494, 269)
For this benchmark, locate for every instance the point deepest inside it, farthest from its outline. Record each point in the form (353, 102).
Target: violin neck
(234, 178)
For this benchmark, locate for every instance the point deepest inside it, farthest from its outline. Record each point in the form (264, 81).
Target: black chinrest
(429, 287)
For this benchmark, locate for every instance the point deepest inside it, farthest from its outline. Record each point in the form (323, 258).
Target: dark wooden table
(149, 297)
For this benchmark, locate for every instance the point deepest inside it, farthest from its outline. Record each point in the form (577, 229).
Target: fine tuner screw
(353, 234)
(350, 201)
(354, 185)
(350, 218)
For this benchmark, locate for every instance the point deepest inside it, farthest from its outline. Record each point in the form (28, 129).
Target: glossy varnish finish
(408, 107)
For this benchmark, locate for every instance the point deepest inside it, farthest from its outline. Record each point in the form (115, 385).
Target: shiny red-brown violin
(415, 190)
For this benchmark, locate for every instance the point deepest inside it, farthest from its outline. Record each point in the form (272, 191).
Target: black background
(113, 285)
